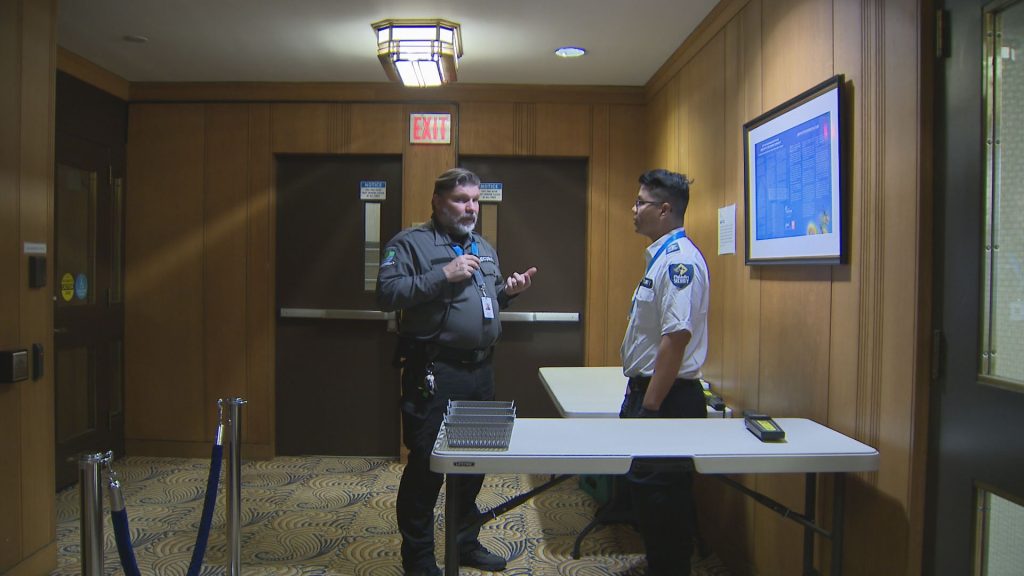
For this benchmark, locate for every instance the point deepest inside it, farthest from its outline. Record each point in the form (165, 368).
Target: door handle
(341, 314)
(336, 314)
(60, 330)
(540, 316)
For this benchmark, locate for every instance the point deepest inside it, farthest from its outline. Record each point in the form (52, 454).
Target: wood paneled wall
(28, 54)
(839, 344)
(200, 312)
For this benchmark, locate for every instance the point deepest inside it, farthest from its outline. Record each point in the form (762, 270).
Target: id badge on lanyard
(485, 301)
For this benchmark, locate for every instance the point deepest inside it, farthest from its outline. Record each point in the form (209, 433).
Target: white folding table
(592, 391)
(708, 446)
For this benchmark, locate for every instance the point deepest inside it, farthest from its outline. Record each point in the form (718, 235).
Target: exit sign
(430, 128)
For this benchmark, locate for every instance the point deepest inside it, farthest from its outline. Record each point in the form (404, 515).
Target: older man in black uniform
(446, 281)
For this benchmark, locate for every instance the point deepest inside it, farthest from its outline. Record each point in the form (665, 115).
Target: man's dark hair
(451, 179)
(665, 186)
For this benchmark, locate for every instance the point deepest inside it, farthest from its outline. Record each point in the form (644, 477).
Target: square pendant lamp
(419, 52)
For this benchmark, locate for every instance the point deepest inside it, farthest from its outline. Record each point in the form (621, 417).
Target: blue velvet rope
(124, 542)
(208, 505)
(119, 518)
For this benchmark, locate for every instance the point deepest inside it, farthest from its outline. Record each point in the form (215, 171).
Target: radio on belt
(762, 426)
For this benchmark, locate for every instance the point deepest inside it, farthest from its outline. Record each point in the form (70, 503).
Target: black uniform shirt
(411, 279)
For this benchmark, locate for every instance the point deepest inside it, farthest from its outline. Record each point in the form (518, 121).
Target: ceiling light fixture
(419, 52)
(570, 52)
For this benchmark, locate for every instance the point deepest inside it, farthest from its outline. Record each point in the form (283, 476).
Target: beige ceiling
(506, 42)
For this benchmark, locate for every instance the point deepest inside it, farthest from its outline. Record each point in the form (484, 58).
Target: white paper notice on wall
(373, 190)
(727, 229)
(490, 191)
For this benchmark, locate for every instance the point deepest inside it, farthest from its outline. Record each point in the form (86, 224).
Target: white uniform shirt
(673, 296)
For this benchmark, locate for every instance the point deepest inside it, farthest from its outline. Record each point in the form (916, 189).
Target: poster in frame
(794, 180)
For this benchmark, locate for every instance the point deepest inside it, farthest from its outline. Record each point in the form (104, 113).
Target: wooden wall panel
(904, 384)
(164, 395)
(524, 129)
(595, 315)
(662, 114)
(625, 266)
(486, 128)
(11, 444)
(300, 128)
(38, 63)
(612, 266)
(380, 92)
(27, 71)
(225, 240)
(421, 165)
(260, 280)
(706, 149)
(376, 129)
(563, 129)
(798, 36)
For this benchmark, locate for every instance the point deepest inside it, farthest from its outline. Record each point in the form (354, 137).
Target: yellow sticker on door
(67, 287)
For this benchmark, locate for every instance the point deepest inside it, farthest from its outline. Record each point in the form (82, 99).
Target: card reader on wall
(13, 365)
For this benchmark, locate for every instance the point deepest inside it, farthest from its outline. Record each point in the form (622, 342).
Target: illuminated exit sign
(430, 128)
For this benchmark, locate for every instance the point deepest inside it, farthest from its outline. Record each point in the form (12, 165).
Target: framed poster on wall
(793, 178)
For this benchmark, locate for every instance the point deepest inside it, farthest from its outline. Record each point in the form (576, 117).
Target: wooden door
(88, 302)
(337, 393)
(540, 221)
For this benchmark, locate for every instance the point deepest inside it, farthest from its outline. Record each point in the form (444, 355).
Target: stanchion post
(90, 518)
(234, 488)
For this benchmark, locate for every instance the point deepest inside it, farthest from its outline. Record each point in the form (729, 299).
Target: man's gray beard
(449, 221)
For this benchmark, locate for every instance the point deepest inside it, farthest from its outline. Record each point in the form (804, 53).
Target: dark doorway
(540, 221)
(975, 447)
(88, 261)
(337, 393)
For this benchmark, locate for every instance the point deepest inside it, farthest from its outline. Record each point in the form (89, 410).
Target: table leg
(452, 516)
(614, 511)
(810, 505)
(838, 520)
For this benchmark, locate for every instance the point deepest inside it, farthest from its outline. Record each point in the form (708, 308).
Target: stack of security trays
(479, 424)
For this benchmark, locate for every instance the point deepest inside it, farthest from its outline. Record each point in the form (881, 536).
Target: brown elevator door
(336, 390)
(540, 221)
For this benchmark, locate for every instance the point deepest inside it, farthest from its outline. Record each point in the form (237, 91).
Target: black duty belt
(639, 383)
(474, 356)
(432, 351)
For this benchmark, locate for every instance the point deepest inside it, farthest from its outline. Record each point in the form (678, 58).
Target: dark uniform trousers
(662, 501)
(468, 378)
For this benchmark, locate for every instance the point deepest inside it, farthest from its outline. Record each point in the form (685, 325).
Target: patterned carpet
(336, 516)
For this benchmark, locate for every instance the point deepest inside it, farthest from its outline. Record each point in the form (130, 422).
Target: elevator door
(540, 221)
(336, 390)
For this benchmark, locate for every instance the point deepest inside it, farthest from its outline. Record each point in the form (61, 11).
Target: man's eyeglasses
(640, 202)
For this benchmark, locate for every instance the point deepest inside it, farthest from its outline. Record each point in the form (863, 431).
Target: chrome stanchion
(234, 484)
(90, 494)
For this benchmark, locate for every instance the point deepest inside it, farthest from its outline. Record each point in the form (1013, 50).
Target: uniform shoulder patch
(681, 275)
(389, 257)
(673, 247)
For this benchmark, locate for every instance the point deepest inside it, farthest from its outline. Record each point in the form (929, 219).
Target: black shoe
(428, 570)
(481, 558)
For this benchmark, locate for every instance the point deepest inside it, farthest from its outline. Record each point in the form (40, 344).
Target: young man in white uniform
(662, 354)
